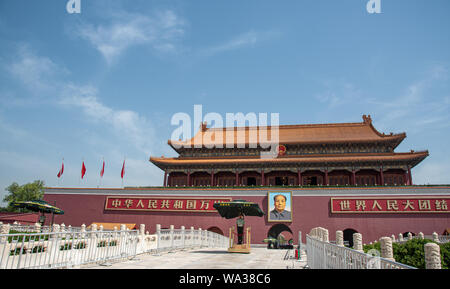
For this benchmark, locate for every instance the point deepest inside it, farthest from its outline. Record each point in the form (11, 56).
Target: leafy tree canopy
(27, 192)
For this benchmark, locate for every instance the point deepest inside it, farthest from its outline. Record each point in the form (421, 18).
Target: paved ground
(259, 258)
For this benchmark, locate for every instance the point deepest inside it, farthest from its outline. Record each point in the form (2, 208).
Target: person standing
(240, 228)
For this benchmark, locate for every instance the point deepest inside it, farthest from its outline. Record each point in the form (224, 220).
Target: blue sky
(105, 83)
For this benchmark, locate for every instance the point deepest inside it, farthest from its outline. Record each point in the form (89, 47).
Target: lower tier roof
(410, 158)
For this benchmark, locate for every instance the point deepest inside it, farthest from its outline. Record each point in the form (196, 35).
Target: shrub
(67, 246)
(412, 252)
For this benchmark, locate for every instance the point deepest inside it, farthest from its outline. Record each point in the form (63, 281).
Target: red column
(326, 178)
(212, 178)
(381, 176)
(299, 178)
(262, 178)
(353, 177)
(409, 176)
(165, 179)
(188, 181)
(237, 178)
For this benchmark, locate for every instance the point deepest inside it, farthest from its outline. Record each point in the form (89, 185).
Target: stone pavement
(211, 258)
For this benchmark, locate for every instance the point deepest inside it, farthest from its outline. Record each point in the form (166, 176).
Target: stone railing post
(83, 231)
(432, 256)
(55, 228)
(325, 235)
(400, 237)
(435, 237)
(393, 238)
(37, 227)
(183, 234)
(171, 235)
(4, 230)
(94, 229)
(410, 236)
(142, 229)
(200, 233)
(421, 236)
(386, 248)
(192, 237)
(158, 236)
(340, 238)
(357, 242)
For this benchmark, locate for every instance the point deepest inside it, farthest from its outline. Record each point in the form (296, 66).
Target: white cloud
(419, 107)
(130, 124)
(161, 31)
(34, 71)
(244, 40)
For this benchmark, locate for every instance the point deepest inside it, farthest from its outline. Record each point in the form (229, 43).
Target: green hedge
(412, 252)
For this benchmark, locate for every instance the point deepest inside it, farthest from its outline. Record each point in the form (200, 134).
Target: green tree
(27, 192)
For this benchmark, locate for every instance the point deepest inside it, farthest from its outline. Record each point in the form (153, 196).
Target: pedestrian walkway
(209, 258)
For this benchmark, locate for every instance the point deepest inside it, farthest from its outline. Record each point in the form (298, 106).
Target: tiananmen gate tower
(340, 176)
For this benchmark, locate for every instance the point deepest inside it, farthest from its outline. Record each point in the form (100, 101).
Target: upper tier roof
(294, 134)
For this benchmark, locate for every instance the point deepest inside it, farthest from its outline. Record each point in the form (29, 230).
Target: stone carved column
(325, 235)
(340, 238)
(183, 235)
(410, 236)
(421, 236)
(432, 256)
(142, 229)
(400, 237)
(393, 238)
(435, 237)
(386, 248)
(357, 242)
(37, 227)
(4, 230)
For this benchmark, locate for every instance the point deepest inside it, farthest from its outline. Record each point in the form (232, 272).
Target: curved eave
(412, 158)
(395, 139)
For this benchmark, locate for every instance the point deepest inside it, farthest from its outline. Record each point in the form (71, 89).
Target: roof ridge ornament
(367, 119)
(204, 126)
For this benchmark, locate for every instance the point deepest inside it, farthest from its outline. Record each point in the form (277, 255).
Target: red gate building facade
(343, 176)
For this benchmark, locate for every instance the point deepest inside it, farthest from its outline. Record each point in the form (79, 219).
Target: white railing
(65, 249)
(179, 239)
(75, 247)
(325, 255)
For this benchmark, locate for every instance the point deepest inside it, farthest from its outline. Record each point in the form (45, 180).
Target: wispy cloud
(421, 106)
(42, 75)
(125, 123)
(338, 93)
(244, 40)
(34, 71)
(160, 31)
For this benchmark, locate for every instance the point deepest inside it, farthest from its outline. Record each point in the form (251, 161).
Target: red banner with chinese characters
(169, 204)
(390, 205)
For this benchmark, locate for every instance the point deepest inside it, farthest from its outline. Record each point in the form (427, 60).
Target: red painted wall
(308, 212)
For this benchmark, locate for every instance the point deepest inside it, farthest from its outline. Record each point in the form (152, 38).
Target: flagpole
(123, 171)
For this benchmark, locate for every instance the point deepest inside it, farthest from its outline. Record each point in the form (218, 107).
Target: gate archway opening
(216, 230)
(348, 236)
(282, 233)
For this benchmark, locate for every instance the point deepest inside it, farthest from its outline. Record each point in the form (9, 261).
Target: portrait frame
(288, 210)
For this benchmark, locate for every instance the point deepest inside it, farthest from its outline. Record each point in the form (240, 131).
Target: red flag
(123, 170)
(83, 170)
(103, 170)
(61, 171)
